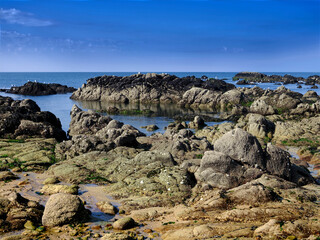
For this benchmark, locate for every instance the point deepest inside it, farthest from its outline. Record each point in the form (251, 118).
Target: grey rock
(241, 146)
(63, 208)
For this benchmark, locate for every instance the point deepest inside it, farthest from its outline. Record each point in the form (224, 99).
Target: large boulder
(278, 162)
(261, 107)
(241, 146)
(63, 208)
(217, 169)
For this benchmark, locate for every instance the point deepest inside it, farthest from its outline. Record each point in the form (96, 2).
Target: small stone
(124, 223)
(29, 225)
(50, 180)
(148, 230)
(16, 169)
(107, 207)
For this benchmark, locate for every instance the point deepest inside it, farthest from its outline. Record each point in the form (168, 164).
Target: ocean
(61, 104)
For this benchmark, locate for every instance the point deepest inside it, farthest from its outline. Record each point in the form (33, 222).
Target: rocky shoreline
(234, 180)
(39, 89)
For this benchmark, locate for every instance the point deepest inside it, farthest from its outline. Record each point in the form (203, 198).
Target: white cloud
(15, 16)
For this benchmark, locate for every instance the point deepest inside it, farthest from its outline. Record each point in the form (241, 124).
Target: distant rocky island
(252, 177)
(255, 77)
(39, 89)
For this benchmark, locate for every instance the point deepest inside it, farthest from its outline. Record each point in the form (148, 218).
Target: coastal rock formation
(91, 131)
(33, 154)
(40, 89)
(17, 210)
(286, 79)
(181, 143)
(239, 158)
(149, 87)
(24, 119)
(63, 208)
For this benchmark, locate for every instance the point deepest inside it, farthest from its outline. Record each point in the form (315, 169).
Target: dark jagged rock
(40, 89)
(24, 119)
(246, 77)
(91, 131)
(149, 87)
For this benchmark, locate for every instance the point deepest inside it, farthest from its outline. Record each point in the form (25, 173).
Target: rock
(182, 144)
(151, 128)
(144, 88)
(24, 119)
(17, 210)
(29, 225)
(197, 123)
(6, 175)
(50, 189)
(34, 154)
(40, 89)
(124, 223)
(91, 131)
(50, 180)
(261, 107)
(259, 126)
(278, 162)
(107, 207)
(63, 208)
(220, 170)
(241, 146)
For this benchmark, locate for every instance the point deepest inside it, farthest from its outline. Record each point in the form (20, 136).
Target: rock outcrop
(149, 87)
(239, 158)
(286, 79)
(24, 119)
(91, 131)
(40, 89)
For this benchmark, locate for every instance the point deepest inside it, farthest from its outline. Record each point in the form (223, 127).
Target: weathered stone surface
(144, 88)
(63, 208)
(107, 207)
(261, 107)
(91, 131)
(16, 211)
(35, 154)
(24, 119)
(241, 146)
(220, 170)
(50, 189)
(278, 162)
(124, 223)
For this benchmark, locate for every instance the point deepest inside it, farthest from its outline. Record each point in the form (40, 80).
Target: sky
(159, 35)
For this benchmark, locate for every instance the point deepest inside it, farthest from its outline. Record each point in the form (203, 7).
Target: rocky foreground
(234, 180)
(40, 89)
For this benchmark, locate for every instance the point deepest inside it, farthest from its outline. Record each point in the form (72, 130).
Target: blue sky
(160, 35)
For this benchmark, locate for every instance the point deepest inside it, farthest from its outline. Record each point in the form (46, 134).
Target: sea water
(61, 104)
